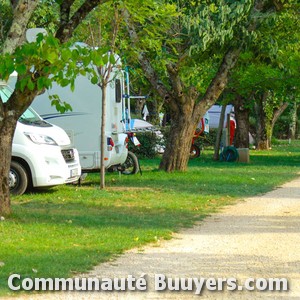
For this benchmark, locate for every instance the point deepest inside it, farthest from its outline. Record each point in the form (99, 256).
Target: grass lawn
(65, 230)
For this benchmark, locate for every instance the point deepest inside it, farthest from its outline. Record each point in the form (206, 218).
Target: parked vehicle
(83, 123)
(41, 152)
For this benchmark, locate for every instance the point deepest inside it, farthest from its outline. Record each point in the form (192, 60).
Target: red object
(232, 131)
(198, 133)
(110, 144)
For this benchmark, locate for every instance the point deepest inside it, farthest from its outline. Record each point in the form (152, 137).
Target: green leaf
(51, 56)
(75, 54)
(52, 41)
(112, 59)
(68, 106)
(72, 85)
(9, 64)
(64, 82)
(30, 85)
(82, 72)
(66, 54)
(39, 38)
(97, 59)
(22, 84)
(105, 59)
(94, 80)
(213, 8)
(41, 83)
(21, 69)
(86, 61)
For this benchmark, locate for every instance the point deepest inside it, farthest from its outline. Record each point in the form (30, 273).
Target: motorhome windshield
(29, 117)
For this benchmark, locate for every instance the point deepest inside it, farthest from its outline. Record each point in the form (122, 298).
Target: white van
(41, 152)
(83, 123)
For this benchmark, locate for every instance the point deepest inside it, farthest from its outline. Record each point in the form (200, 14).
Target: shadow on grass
(202, 182)
(258, 158)
(83, 216)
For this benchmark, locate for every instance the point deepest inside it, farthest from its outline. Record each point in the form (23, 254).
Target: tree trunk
(22, 11)
(185, 104)
(293, 124)
(276, 114)
(242, 122)
(176, 155)
(138, 107)
(21, 100)
(262, 142)
(219, 133)
(186, 109)
(103, 142)
(265, 125)
(7, 129)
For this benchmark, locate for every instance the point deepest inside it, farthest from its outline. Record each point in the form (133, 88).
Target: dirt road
(256, 238)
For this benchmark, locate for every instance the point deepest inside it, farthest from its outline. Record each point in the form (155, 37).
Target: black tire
(131, 164)
(195, 151)
(229, 154)
(18, 179)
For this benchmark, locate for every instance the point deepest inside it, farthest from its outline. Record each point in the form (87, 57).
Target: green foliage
(45, 61)
(207, 141)
(213, 24)
(148, 147)
(59, 105)
(46, 15)
(281, 128)
(271, 61)
(6, 16)
(155, 21)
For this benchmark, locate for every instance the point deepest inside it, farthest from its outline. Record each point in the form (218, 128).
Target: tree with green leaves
(35, 62)
(189, 62)
(265, 79)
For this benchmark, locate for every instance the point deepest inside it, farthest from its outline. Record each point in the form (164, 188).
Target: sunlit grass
(65, 230)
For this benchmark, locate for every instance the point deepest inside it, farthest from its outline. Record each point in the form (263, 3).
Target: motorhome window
(118, 90)
(5, 93)
(30, 117)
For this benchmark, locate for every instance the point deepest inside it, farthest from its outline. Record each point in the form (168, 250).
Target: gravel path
(256, 238)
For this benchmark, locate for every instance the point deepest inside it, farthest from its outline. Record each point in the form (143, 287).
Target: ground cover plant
(65, 230)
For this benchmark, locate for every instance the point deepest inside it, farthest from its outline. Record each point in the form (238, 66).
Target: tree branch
(150, 73)
(177, 84)
(69, 24)
(23, 9)
(278, 112)
(65, 8)
(218, 83)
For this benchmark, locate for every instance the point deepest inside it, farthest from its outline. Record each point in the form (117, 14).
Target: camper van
(41, 152)
(83, 123)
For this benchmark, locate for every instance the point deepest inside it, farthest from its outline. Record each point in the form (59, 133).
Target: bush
(147, 149)
(150, 142)
(207, 140)
(281, 128)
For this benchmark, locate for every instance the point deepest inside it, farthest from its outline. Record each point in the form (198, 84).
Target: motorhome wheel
(18, 179)
(131, 164)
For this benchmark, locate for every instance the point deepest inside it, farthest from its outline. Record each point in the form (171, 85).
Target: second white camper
(83, 123)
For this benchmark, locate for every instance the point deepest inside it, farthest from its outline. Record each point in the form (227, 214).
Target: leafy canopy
(45, 61)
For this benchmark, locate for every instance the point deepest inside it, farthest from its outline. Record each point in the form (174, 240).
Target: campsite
(149, 150)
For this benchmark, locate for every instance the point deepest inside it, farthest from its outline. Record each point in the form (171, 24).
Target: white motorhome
(83, 123)
(41, 152)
